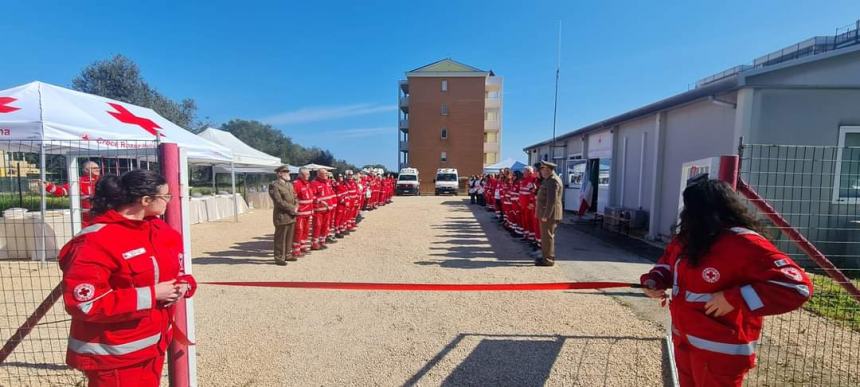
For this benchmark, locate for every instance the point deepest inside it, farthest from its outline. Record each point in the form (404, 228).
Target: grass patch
(830, 300)
(32, 202)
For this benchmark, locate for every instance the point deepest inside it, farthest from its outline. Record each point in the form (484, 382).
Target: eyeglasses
(166, 197)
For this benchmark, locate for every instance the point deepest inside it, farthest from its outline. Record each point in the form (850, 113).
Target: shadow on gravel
(528, 360)
(256, 251)
(474, 234)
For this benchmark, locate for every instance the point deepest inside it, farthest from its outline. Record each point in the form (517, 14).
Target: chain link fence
(43, 203)
(817, 190)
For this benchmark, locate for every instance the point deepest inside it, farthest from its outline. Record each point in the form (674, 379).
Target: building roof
(447, 66)
(708, 88)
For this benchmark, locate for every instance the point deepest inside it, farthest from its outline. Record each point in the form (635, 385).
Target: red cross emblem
(711, 275)
(84, 292)
(123, 115)
(4, 105)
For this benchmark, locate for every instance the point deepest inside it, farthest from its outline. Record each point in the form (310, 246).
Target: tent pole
(43, 206)
(235, 199)
(214, 188)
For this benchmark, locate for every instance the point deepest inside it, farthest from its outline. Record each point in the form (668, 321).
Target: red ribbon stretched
(431, 287)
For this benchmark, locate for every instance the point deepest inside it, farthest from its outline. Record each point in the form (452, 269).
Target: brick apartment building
(450, 117)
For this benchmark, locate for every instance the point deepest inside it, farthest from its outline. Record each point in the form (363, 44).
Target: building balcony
(494, 83)
(492, 125)
(492, 103)
(404, 103)
(404, 86)
(404, 146)
(404, 125)
(491, 147)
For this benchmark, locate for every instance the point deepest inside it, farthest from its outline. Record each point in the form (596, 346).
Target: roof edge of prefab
(728, 84)
(675, 100)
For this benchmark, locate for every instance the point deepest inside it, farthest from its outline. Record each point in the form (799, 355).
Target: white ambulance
(447, 181)
(407, 182)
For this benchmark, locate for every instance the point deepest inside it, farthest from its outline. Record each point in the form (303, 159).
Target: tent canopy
(70, 121)
(314, 167)
(226, 169)
(506, 163)
(243, 154)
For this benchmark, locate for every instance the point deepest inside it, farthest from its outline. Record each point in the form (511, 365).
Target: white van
(407, 182)
(447, 181)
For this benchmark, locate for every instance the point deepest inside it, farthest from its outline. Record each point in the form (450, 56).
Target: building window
(444, 133)
(846, 187)
(444, 110)
(444, 85)
(444, 157)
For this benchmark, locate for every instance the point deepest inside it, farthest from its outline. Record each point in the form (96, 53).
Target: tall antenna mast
(555, 105)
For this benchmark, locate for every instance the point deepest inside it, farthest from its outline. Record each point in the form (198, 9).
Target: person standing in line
(284, 215)
(528, 189)
(323, 195)
(302, 187)
(480, 191)
(549, 211)
(472, 190)
(121, 280)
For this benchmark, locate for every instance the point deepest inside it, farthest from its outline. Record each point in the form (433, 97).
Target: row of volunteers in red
(329, 209)
(512, 196)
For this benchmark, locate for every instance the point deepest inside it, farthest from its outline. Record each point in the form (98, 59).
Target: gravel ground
(276, 337)
(263, 337)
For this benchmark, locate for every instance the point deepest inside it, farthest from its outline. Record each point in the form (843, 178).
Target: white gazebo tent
(314, 167)
(245, 158)
(42, 118)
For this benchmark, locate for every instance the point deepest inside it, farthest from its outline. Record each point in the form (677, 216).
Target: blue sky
(326, 72)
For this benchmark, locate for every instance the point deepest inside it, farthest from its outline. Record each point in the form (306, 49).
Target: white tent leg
(74, 192)
(235, 199)
(40, 250)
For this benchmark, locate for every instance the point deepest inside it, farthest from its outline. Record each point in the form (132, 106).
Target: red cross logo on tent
(4, 105)
(123, 115)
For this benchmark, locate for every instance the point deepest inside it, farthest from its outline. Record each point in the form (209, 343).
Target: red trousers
(300, 238)
(146, 374)
(527, 221)
(699, 368)
(321, 227)
(340, 218)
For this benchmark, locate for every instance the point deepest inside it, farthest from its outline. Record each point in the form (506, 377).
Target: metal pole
(43, 205)
(555, 104)
(178, 360)
(233, 185)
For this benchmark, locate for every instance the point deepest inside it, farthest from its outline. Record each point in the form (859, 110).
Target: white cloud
(324, 113)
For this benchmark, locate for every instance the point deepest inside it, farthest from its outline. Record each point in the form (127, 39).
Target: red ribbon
(432, 287)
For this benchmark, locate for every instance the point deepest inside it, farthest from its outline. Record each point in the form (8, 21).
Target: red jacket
(528, 192)
(305, 196)
(109, 272)
(323, 195)
(756, 278)
(88, 189)
(343, 196)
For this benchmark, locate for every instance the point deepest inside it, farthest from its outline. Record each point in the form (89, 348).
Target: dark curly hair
(710, 207)
(113, 191)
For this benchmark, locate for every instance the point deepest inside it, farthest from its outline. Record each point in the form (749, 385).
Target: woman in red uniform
(120, 282)
(725, 277)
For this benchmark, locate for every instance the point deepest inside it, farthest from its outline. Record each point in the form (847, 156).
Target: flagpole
(555, 104)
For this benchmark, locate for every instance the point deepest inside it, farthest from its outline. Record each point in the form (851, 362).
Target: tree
(119, 78)
(268, 139)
